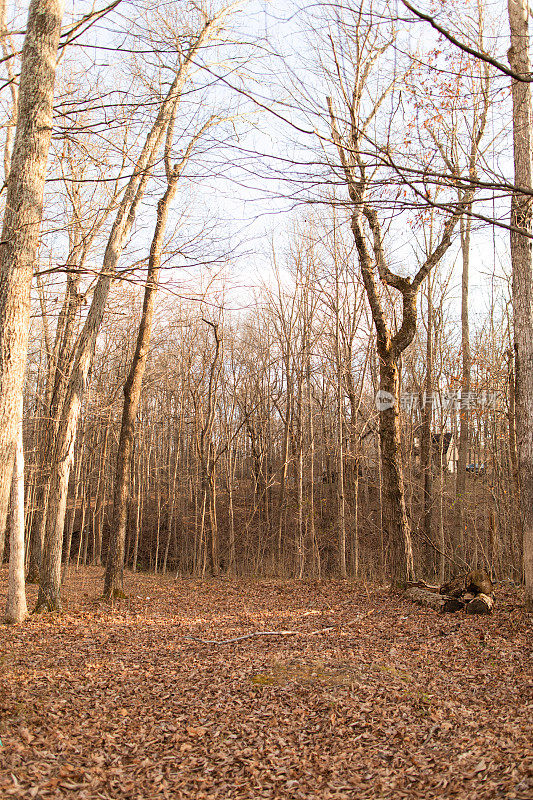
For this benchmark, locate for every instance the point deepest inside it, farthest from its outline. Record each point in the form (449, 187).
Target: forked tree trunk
(22, 220)
(49, 592)
(59, 367)
(366, 227)
(114, 576)
(521, 231)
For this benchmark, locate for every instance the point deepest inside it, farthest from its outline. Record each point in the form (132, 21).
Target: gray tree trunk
(523, 275)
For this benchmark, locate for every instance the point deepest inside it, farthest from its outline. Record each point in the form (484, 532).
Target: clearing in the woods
(371, 697)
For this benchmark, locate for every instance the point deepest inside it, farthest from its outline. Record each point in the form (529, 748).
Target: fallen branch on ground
(240, 638)
(422, 585)
(279, 633)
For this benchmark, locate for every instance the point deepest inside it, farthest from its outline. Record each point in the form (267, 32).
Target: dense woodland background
(271, 450)
(252, 178)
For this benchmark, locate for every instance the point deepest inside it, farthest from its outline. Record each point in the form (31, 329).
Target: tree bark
(522, 290)
(16, 608)
(395, 520)
(22, 220)
(511, 418)
(341, 497)
(60, 362)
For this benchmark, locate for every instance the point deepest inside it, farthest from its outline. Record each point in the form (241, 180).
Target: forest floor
(389, 701)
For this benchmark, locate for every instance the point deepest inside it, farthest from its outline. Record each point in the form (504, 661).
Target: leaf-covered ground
(389, 701)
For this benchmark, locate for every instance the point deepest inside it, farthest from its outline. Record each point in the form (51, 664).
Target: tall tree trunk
(8, 51)
(395, 520)
(114, 575)
(511, 416)
(100, 498)
(207, 460)
(426, 455)
(300, 538)
(284, 470)
(464, 413)
(213, 522)
(341, 498)
(16, 608)
(138, 513)
(313, 549)
(230, 470)
(522, 274)
(172, 489)
(72, 520)
(22, 220)
(60, 361)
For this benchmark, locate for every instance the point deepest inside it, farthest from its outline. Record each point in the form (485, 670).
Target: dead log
(429, 599)
(454, 587)
(481, 604)
(475, 582)
(461, 593)
(452, 604)
(478, 582)
(422, 585)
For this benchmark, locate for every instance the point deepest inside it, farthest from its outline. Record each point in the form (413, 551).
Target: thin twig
(430, 734)
(240, 638)
(279, 633)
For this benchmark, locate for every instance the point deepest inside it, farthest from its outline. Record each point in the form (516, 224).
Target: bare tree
(64, 445)
(114, 575)
(22, 219)
(350, 136)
